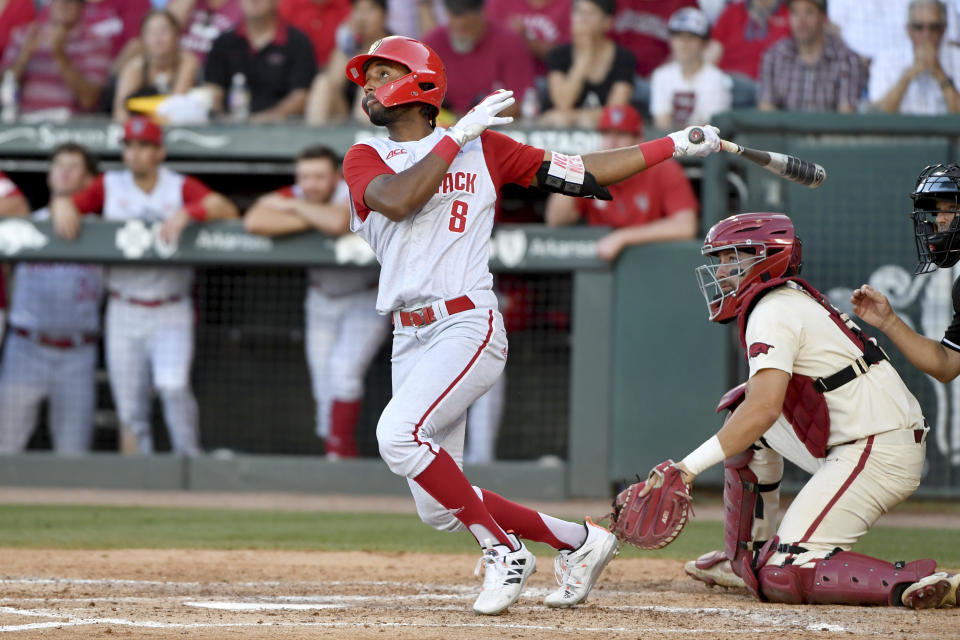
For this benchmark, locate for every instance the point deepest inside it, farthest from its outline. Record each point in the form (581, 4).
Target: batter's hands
(872, 307)
(700, 146)
(482, 116)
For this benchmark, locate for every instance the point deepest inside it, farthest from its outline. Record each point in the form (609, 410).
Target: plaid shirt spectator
(834, 82)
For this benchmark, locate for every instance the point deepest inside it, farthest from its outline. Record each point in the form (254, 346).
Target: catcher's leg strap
(842, 578)
(743, 504)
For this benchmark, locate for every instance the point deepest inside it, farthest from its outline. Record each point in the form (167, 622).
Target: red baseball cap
(622, 118)
(143, 129)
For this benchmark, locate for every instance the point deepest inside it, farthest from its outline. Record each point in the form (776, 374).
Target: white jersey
(337, 281)
(790, 331)
(441, 251)
(689, 100)
(923, 95)
(56, 298)
(124, 200)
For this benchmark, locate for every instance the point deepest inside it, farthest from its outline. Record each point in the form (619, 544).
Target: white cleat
(933, 592)
(714, 569)
(505, 574)
(577, 571)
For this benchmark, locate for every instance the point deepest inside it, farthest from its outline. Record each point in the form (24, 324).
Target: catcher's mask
(745, 251)
(426, 82)
(935, 219)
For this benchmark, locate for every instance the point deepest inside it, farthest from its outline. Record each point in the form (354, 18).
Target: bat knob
(696, 135)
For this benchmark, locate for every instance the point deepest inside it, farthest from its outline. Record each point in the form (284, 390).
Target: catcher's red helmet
(426, 82)
(764, 245)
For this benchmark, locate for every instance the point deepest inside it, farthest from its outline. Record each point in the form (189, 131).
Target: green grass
(83, 527)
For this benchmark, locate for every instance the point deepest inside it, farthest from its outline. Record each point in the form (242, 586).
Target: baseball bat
(809, 174)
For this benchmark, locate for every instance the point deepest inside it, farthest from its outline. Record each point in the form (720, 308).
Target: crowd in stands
(676, 61)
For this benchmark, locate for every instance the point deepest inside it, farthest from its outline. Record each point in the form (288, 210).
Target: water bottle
(8, 97)
(530, 105)
(238, 101)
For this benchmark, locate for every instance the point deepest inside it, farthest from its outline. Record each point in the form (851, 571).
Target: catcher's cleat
(577, 571)
(714, 569)
(505, 574)
(933, 592)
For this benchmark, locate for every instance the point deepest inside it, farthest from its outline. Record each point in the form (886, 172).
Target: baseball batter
(149, 323)
(821, 394)
(343, 329)
(51, 352)
(12, 203)
(424, 199)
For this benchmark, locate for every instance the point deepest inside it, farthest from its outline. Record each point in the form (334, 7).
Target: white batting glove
(482, 116)
(708, 143)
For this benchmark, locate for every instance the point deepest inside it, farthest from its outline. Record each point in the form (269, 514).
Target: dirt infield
(270, 594)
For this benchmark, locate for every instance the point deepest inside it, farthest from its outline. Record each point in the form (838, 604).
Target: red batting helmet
(764, 245)
(426, 82)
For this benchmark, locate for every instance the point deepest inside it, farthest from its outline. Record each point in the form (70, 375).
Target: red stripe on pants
(846, 485)
(483, 345)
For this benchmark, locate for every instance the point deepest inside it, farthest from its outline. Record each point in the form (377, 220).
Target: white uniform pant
(439, 370)
(343, 335)
(850, 489)
(32, 372)
(152, 347)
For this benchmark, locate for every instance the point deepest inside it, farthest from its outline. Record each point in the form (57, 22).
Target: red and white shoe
(714, 569)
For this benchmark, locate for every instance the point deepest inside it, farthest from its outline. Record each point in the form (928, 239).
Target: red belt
(146, 303)
(55, 342)
(425, 315)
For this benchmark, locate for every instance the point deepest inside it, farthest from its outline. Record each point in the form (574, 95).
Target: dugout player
(51, 352)
(12, 203)
(149, 323)
(343, 329)
(823, 395)
(424, 199)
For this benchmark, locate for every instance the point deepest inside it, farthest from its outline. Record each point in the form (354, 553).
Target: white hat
(689, 20)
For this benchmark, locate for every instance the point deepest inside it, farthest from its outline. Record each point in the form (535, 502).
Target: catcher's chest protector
(804, 405)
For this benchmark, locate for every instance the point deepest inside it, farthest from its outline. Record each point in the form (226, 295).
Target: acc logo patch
(758, 348)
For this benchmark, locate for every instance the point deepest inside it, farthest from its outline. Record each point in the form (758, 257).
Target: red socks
(343, 424)
(525, 522)
(445, 482)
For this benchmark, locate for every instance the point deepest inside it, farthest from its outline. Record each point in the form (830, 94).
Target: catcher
(821, 394)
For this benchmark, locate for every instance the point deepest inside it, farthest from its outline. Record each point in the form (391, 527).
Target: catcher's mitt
(653, 520)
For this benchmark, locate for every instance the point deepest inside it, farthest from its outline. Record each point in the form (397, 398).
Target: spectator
(641, 27)
(51, 352)
(413, 18)
(812, 70)
(921, 83)
(331, 97)
(543, 24)
(480, 57)
(117, 21)
(275, 60)
(14, 13)
(319, 19)
(58, 61)
(743, 32)
(688, 90)
(149, 325)
(869, 27)
(204, 21)
(163, 67)
(591, 72)
(343, 329)
(655, 205)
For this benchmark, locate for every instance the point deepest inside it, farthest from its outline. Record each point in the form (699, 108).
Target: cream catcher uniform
(449, 344)
(149, 324)
(876, 443)
(51, 352)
